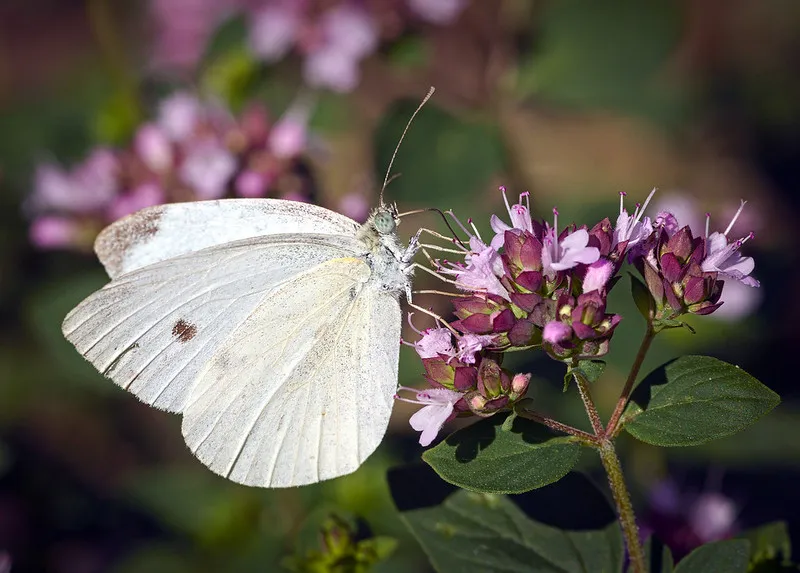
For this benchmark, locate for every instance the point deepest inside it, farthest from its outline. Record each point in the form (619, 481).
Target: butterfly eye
(384, 222)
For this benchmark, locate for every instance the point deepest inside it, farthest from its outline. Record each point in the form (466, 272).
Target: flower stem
(591, 410)
(612, 428)
(558, 426)
(622, 499)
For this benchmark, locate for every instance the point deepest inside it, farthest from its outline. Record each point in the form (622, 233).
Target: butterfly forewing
(153, 330)
(302, 390)
(167, 231)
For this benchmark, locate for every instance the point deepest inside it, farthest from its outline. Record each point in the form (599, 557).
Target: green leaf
(454, 155)
(485, 458)
(641, 296)
(769, 543)
(696, 399)
(409, 52)
(731, 556)
(657, 557)
(476, 533)
(575, 64)
(589, 370)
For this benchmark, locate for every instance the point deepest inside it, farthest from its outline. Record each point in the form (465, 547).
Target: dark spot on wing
(353, 293)
(184, 331)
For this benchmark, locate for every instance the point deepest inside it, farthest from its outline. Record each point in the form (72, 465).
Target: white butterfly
(272, 326)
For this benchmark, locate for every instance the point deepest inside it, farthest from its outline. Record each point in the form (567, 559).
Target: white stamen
(736, 216)
(505, 199)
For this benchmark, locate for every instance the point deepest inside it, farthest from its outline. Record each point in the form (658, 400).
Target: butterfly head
(385, 219)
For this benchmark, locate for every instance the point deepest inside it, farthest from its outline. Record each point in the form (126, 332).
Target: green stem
(612, 429)
(558, 426)
(622, 499)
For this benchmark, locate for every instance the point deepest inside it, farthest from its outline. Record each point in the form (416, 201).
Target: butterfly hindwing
(302, 391)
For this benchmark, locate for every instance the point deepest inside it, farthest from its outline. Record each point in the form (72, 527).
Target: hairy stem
(612, 428)
(558, 426)
(588, 403)
(622, 499)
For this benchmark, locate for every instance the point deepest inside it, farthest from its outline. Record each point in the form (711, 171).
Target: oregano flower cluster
(537, 286)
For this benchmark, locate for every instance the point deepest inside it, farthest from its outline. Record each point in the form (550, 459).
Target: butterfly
(273, 327)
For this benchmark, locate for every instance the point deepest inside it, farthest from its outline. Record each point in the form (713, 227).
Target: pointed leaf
(731, 556)
(476, 533)
(696, 399)
(485, 458)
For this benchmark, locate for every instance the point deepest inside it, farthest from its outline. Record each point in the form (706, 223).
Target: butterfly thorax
(385, 254)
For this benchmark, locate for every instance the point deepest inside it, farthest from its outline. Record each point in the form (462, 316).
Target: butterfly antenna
(391, 162)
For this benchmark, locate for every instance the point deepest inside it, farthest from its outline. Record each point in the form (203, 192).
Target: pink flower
(289, 136)
(470, 344)
(520, 215)
(438, 408)
(724, 257)
(331, 69)
(632, 228)
(556, 332)
(562, 254)
(152, 145)
(355, 206)
(348, 35)
(87, 187)
(481, 272)
(597, 275)
(145, 195)
(738, 301)
(676, 210)
(179, 115)
(52, 232)
(183, 28)
(251, 184)
(273, 30)
(434, 342)
(207, 168)
(437, 11)
(713, 517)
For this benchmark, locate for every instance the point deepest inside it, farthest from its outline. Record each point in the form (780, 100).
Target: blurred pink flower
(183, 29)
(251, 184)
(179, 114)
(437, 11)
(53, 232)
(712, 517)
(355, 206)
(195, 150)
(207, 168)
(145, 195)
(273, 30)
(289, 136)
(153, 147)
(331, 69)
(88, 186)
(350, 30)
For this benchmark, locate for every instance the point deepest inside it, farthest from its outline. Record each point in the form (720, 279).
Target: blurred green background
(572, 101)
